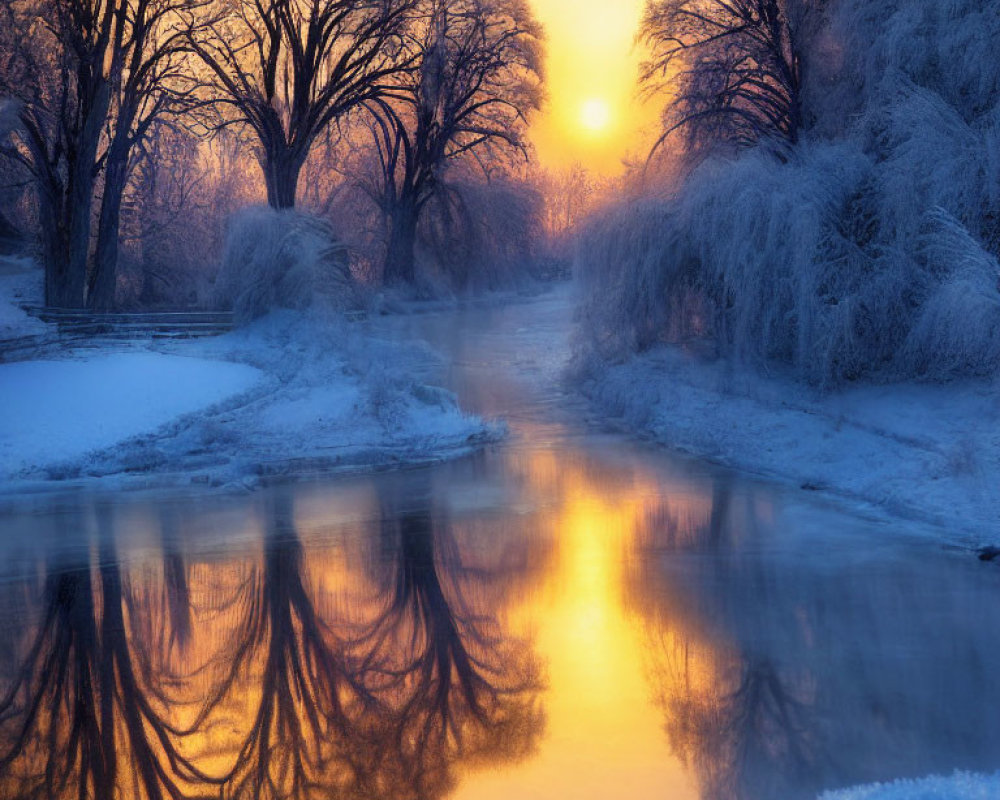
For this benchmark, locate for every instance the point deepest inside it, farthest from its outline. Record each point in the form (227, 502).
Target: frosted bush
(868, 255)
(641, 286)
(946, 46)
(283, 259)
(957, 331)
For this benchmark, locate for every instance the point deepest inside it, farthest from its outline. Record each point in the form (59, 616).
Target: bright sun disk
(595, 115)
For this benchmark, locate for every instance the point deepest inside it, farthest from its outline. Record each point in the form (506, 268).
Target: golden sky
(593, 115)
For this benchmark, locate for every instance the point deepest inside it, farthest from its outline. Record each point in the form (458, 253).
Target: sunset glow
(591, 69)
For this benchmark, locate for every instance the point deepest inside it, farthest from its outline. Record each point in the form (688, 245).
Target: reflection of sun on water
(575, 603)
(604, 736)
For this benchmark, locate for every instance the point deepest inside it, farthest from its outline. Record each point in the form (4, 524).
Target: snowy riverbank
(960, 786)
(927, 452)
(290, 394)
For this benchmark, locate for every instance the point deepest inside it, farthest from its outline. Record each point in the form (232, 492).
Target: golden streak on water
(604, 732)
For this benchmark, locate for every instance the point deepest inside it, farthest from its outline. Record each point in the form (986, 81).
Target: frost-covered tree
(478, 76)
(89, 78)
(287, 69)
(734, 68)
(866, 253)
(55, 58)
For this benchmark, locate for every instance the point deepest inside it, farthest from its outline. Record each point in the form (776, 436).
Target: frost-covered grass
(870, 255)
(960, 786)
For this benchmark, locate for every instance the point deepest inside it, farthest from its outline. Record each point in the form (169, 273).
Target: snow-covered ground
(960, 786)
(928, 452)
(293, 393)
(58, 411)
(20, 283)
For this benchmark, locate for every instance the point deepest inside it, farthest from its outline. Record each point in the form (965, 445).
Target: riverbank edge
(916, 452)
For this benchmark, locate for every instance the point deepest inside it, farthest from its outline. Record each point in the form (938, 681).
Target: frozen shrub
(945, 46)
(641, 287)
(482, 235)
(283, 259)
(957, 331)
(867, 255)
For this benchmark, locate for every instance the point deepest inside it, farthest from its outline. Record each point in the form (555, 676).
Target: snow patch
(960, 786)
(291, 394)
(61, 410)
(20, 283)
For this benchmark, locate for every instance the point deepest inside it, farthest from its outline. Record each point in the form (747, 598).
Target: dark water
(569, 615)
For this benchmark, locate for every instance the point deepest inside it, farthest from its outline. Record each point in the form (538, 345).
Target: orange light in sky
(593, 116)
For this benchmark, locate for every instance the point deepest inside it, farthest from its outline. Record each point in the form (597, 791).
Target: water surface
(568, 615)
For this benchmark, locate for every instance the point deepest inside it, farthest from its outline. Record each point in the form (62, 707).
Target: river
(569, 614)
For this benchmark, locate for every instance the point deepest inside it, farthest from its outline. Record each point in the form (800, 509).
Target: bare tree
(147, 79)
(55, 57)
(287, 69)
(479, 75)
(733, 67)
(89, 77)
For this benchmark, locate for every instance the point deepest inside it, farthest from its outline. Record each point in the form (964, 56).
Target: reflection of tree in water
(748, 730)
(456, 689)
(747, 726)
(284, 682)
(133, 686)
(790, 663)
(78, 718)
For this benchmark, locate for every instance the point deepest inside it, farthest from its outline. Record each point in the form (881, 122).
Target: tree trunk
(78, 211)
(54, 245)
(81, 197)
(10, 237)
(282, 166)
(105, 278)
(400, 258)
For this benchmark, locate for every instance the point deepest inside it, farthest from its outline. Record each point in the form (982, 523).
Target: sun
(595, 115)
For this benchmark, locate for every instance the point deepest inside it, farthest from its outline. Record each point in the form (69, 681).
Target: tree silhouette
(77, 719)
(456, 688)
(90, 77)
(287, 69)
(734, 67)
(477, 77)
